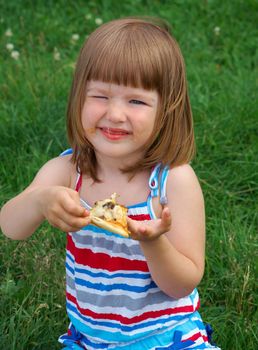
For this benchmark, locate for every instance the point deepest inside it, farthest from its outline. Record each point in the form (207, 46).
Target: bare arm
(47, 197)
(176, 258)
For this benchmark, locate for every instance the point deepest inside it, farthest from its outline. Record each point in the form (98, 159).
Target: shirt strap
(78, 182)
(154, 181)
(163, 186)
(158, 182)
(67, 151)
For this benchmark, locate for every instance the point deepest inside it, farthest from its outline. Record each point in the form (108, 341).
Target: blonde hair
(135, 52)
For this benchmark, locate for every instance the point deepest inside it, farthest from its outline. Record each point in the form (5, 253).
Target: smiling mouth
(114, 133)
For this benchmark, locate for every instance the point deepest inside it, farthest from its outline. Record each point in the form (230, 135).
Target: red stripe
(196, 336)
(79, 183)
(101, 260)
(128, 321)
(140, 217)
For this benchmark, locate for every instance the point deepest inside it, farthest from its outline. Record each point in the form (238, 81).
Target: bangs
(128, 57)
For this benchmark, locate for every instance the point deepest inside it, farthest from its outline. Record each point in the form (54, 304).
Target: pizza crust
(110, 226)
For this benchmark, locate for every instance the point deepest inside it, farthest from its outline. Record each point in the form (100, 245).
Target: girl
(130, 127)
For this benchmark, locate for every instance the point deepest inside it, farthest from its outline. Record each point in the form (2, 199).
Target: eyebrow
(136, 95)
(102, 91)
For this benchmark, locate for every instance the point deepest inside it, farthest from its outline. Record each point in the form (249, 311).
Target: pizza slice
(110, 216)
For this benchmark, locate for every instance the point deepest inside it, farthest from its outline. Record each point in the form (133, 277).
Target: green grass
(222, 81)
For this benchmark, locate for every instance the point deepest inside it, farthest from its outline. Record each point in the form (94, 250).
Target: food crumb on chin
(91, 130)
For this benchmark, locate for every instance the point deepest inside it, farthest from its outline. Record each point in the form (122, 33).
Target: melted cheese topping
(108, 210)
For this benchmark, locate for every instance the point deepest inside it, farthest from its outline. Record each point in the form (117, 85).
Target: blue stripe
(114, 286)
(69, 268)
(70, 257)
(92, 228)
(105, 275)
(138, 205)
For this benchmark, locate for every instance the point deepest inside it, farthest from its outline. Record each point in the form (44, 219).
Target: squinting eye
(137, 102)
(101, 97)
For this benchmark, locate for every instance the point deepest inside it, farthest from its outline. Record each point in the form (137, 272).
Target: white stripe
(191, 333)
(195, 299)
(138, 211)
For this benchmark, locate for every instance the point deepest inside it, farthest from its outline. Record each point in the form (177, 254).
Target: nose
(116, 112)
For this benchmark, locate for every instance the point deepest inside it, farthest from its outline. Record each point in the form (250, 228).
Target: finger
(133, 225)
(76, 222)
(74, 208)
(70, 226)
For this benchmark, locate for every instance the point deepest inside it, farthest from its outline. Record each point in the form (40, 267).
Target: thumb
(166, 216)
(80, 209)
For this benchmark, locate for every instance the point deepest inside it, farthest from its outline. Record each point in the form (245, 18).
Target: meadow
(39, 44)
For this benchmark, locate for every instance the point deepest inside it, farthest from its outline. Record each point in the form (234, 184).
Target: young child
(130, 127)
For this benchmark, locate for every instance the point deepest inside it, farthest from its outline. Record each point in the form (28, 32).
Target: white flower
(75, 37)
(88, 16)
(9, 46)
(56, 54)
(8, 32)
(15, 55)
(216, 31)
(98, 21)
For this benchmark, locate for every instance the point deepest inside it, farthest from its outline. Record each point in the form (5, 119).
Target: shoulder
(57, 171)
(182, 181)
(182, 174)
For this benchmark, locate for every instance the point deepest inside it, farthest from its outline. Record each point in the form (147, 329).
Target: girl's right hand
(61, 207)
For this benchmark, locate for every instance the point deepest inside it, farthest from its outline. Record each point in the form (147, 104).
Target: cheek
(89, 116)
(143, 131)
(145, 125)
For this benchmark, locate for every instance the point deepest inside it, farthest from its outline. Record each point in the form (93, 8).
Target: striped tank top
(110, 295)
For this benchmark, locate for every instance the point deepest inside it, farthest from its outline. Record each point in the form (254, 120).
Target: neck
(113, 167)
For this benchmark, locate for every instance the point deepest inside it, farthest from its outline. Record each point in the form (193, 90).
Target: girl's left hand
(150, 229)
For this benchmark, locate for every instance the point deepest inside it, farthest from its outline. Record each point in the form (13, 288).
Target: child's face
(118, 120)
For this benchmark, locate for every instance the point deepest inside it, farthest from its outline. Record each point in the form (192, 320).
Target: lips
(114, 133)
